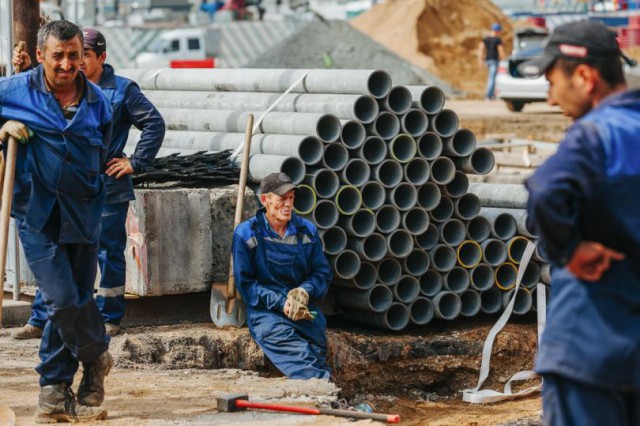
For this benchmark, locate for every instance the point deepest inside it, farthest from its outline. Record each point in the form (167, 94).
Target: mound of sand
(441, 36)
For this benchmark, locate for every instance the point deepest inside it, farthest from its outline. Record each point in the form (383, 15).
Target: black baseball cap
(93, 39)
(581, 40)
(278, 183)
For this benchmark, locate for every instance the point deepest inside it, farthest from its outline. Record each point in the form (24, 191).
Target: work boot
(58, 403)
(27, 331)
(91, 389)
(112, 329)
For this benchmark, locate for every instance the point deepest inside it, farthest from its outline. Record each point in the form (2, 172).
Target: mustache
(71, 69)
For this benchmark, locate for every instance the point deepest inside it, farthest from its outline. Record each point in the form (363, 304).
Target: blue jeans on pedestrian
(65, 273)
(492, 66)
(110, 297)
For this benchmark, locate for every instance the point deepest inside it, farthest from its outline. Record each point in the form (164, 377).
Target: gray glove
(15, 129)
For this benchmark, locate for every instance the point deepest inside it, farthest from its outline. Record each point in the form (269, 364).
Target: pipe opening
(407, 289)
(457, 280)
(380, 298)
(452, 232)
(346, 264)
(417, 263)
(430, 146)
(389, 271)
(505, 226)
(363, 223)
(431, 283)
(482, 161)
(294, 168)
(421, 311)
(463, 143)
(326, 183)
(469, 254)
(373, 150)
(445, 123)
(366, 276)
(310, 150)
(443, 211)
(429, 196)
(482, 277)
(387, 125)
(387, 219)
(443, 258)
(417, 171)
(494, 252)
(348, 200)
(356, 172)
(400, 243)
(328, 128)
(305, 200)
(531, 275)
(443, 170)
(468, 206)
(365, 109)
(373, 195)
(379, 84)
(397, 317)
(374, 247)
(335, 156)
(325, 215)
(478, 229)
(334, 240)
(506, 276)
(404, 196)
(471, 303)
(429, 238)
(432, 99)
(399, 100)
(447, 305)
(403, 148)
(416, 221)
(491, 301)
(523, 301)
(458, 186)
(415, 122)
(516, 247)
(353, 134)
(389, 173)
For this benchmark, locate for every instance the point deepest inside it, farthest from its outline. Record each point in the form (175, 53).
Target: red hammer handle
(241, 403)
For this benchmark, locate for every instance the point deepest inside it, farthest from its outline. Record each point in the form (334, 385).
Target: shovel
(8, 173)
(225, 308)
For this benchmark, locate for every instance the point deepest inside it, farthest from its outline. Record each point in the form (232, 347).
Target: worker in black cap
(583, 203)
(281, 272)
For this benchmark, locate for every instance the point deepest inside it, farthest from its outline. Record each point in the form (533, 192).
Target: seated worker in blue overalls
(280, 270)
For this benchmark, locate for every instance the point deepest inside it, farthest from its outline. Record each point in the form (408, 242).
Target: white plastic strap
(477, 396)
(258, 122)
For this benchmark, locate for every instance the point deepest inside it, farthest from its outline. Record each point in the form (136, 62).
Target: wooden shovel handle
(5, 209)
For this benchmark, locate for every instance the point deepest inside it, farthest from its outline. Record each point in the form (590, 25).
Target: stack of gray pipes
(382, 171)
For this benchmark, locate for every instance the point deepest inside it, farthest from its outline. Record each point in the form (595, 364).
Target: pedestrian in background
(490, 53)
(584, 205)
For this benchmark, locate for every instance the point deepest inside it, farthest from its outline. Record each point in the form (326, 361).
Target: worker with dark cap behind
(130, 108)
(281, 271)
(584, 204)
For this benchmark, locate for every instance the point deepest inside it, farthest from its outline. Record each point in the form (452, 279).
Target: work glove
(299, 294)
(296, 305)
(15, 129)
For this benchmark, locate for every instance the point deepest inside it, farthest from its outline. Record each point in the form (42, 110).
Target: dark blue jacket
(588, 191)
(64, 161)
(130, 108)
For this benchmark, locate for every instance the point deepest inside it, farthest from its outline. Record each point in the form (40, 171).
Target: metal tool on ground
(9, 173)
(239, 402)
(225, 308)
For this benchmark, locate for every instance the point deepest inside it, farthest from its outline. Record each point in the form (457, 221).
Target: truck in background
(185, 47)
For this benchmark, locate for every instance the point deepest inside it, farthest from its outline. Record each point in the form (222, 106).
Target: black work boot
(91, 390)
(58, 403)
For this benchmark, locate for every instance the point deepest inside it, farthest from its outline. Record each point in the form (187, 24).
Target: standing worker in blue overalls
(584, 204)
(64, 123)
(130, 107)
(280, 270)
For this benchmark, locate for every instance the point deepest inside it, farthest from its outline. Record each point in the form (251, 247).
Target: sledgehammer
(239, 402)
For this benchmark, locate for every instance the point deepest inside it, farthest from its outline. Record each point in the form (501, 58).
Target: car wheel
(515, 106)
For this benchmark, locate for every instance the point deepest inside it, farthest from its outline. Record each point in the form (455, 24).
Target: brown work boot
(112, 329)
(27, 331)
(58, 403)
(91, 389)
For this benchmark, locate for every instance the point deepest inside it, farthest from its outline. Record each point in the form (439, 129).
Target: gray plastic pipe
(348, 200)
(445, 123)
(428, 239)
(403, 196)
(503, 225)
(353, 134)
(469, 254)
(523, 303)
(346, 264)
(443, 170)
(386, 126)
(373, 195)
(461, 144)
(510, 196)
(398, 101)
(429, 196)
(262, 165)
(325, 126)
(531, 275)
(494, 251)
(351, 107)
(325, 215)
(376, 299)
(389, 173)
(361, 224)
(466, 207)
(537, 255)
(364, 279)
(373, 150)
(407, 290)
(421, 311)
(334, 240)
(491, 300)
(372, 247)
(545, 273)
(482, 277)
(515, 248)
(388, 219)
(389, 271)
(506, 276)
(429, 146)
(457, 280)
(480, 162)
(417, 263)
(400, 243)
(447, 305)
(417, 171)
(414, 122)
(396, 318)
(431, 283)
(428, 98)
(452, 232)
(335, 156)
(357, 172)
(402, 148)
(357, 82)
(471, 303)
(415, 220)
(443, 258)
(325, 182)
(520, 216)
(305, 200)
(478, 229)
(443, 211)
(458, 186)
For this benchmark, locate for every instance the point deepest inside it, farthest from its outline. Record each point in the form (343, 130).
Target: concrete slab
(15, 313)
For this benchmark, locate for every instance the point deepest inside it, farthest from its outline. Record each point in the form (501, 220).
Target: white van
(180, 45)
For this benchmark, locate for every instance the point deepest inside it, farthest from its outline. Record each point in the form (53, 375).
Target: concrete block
(15, 313)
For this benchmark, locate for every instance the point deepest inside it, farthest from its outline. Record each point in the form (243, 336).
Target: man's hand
(15, 129)
(295, 307)
(119, 167)
(591, 260)
(20, 59)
